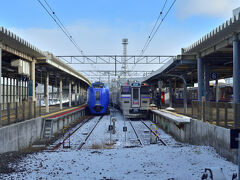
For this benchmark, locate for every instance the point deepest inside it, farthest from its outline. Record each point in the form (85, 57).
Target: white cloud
(217, 8)
(97, 39)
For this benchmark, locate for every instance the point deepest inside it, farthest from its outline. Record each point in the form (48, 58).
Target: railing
(219, 113)
(20, 111)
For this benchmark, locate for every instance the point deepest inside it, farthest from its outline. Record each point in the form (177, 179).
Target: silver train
(133, 99)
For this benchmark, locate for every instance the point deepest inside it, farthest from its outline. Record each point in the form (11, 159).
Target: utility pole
(124, 60)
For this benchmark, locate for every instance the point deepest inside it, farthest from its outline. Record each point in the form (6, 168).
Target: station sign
(214, 76)
(125, 129)
(234, 138)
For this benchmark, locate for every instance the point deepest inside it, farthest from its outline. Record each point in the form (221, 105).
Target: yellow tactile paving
(58, 112)
(173, 113)
(44, 116)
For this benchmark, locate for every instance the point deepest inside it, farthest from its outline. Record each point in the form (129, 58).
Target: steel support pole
(217, 91)
(184, 91)
(0, 88)
(14, 91)
(60, 93)
(75, 94)
(236, 80)
(3, 94)
(78, 93)
(200, 77)
(206, 81)
(52, 94)
(80, 96)
(70, 94)
(185, 95)
(7, 91)
(46, 92)
(32, 99)
(170, 93)
(56, 86)
(10, 94)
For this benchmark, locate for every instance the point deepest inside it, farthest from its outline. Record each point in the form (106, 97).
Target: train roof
(98, 85)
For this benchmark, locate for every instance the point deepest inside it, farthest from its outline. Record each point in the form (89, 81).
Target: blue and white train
(98, 98)
(133, 99)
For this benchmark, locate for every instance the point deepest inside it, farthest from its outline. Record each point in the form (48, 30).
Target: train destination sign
(135, 84)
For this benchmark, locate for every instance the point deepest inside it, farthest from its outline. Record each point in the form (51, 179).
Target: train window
(98, 85)
(135, 93)
(97, 95)
(125, 90)
(144, 90)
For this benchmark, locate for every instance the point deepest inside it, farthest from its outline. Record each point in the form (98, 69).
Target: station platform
(24, 114)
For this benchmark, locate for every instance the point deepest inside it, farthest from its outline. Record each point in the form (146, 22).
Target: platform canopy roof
(215, 49)
(15, 47)
(217, 40)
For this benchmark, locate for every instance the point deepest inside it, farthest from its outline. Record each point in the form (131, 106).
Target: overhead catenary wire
(153, 33)
(160, 14)
(159, 25)
(54, 17)
(57, 20)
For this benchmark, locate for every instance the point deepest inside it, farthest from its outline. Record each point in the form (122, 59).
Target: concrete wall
(200, 133)
(18, 136)
(58, 124)
(210, 135)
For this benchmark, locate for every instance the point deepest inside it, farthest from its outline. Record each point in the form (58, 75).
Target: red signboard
(163, 98)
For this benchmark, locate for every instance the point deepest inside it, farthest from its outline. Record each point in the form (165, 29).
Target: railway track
(135, 132)
(84, 142)
(158, 138)
(83, 123)
(138, 137)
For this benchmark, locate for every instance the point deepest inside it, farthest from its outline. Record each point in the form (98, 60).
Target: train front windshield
(125, 90)
(97, 97)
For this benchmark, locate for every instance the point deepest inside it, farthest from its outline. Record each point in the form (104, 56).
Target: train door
(135, 97)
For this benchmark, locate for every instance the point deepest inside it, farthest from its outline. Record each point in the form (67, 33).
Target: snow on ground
(147, 162)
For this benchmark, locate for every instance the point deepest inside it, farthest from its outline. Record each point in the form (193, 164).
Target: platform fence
(15, 112)
(218, 113)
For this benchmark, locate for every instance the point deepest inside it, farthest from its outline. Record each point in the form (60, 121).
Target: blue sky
(99, 25)
(120, 18)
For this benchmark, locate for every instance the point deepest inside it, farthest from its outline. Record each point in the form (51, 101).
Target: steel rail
(141, 143)
(84, 122)
(82, 144)
(154, 134)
